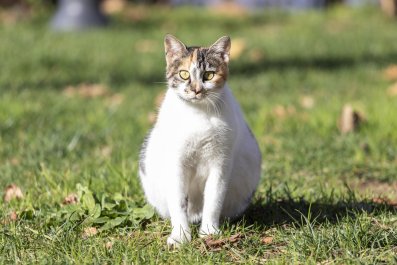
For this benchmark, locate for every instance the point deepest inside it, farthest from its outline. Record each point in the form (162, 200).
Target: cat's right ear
(174, 48)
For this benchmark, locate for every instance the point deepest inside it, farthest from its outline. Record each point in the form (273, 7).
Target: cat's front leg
(177, 206)
(214, 195)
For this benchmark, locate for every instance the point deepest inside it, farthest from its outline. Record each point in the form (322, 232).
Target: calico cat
(200, 161)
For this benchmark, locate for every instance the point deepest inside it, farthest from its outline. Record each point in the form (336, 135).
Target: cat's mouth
(194, 96)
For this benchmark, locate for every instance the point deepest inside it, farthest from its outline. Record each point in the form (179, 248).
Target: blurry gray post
(78, 14)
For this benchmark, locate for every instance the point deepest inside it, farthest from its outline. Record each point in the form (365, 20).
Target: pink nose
(196, 89)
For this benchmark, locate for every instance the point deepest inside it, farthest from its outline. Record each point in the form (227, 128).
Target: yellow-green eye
(184, 74)
(208, 75)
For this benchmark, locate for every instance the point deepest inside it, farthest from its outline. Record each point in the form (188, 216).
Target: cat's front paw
(177, 239)
(209, 229)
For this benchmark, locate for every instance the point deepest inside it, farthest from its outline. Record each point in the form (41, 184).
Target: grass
(315, 203)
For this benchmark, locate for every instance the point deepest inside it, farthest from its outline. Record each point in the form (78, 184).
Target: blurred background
(80, 82)
(80, 85)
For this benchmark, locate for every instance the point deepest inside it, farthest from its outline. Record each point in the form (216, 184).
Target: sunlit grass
(313, 199)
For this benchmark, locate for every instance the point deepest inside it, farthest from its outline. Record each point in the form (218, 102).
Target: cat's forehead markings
(193, 56)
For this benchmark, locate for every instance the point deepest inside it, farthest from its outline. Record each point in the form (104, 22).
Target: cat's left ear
(222, 47)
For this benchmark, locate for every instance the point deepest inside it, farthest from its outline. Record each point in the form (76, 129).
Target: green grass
(311, 200)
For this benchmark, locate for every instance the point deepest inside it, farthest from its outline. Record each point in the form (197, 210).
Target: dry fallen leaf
(12, 192)
(349, 119)
(384, 200)
(390, 72)
(392, 91)
(89, 231)
(85, 90)
(109, 245)
(382, 192)
(235, 238)
(70, 199)
(13, 216)
(15, 161)
(267, 240)
(106, 151)
(237, 48)
(307, 102)
(279, 111)
(282, 112)
(216, 244)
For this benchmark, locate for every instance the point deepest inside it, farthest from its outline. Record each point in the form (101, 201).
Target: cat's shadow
(298, 211)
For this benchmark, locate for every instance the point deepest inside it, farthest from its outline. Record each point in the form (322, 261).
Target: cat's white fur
(200, 163)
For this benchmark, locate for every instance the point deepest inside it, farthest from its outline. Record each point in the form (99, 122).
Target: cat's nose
(196, 89)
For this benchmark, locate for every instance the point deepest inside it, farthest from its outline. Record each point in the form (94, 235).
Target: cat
(200, 161)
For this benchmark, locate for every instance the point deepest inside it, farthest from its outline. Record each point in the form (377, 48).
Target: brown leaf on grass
(214, 243)
(15, 161)
(113, 6)
(381, 192)
(392, 91)
(267, 240)
(109, 245)
(12, 192)
(235, 238)
(384, 200)
(282, 112)
(86, 90)
(89, 232)
(349, 119)
(217, 244)
(307, 102)
(390, 72)
(13, 216)
(105, 151)
(70, 199)
(238, 46)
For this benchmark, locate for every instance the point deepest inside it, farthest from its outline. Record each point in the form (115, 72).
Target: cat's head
(196, 74)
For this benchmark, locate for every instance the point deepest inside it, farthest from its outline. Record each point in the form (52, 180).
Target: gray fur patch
(142, 154)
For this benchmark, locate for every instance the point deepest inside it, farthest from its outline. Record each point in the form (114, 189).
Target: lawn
(75, 107)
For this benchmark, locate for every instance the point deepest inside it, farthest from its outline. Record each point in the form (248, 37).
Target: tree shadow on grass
(270, 211)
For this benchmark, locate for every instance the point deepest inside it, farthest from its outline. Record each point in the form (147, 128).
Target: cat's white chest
(205, 140)
(197, 138)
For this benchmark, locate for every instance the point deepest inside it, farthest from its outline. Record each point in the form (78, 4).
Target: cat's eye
(184, 74)
(208, 75)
